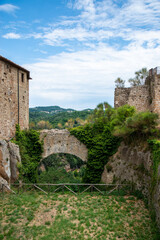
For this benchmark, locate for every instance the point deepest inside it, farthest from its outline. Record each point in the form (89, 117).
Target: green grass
(65, 216)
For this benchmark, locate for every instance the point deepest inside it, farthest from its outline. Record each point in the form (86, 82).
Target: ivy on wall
(31, 149)
(101, 145)
(155, 148)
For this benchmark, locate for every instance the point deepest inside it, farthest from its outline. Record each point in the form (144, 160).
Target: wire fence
(74, 188)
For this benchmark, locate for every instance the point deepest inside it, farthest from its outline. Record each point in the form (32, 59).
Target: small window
(22, 77)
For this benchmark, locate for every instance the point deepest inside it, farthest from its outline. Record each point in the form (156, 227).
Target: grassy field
(65, 216)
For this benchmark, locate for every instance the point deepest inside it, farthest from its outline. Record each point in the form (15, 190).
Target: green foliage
(55, 169)
(31, 149)
(155, 147)
(120, 115)
(140, 124)
(101, 145)
(54, 175)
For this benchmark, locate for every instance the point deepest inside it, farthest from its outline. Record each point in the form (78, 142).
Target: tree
(120, 83)
(70, 123)
(140, 77)
(44, 125)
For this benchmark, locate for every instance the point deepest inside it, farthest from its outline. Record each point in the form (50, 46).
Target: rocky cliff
(9, 157)
(133, 164)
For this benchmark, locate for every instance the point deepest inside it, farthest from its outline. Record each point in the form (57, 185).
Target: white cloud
(9, 8)
(85, 78)
(12, 36)
(57, 36)
(119, 39)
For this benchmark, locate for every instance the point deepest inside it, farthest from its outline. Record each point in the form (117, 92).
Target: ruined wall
(154, 81)
(60, 141)
(145, 97)
(134, 165)
(10, 78)
(121, 96)
(9, 156)
(135, 96)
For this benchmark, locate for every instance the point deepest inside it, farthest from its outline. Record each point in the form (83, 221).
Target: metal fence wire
(75, 188)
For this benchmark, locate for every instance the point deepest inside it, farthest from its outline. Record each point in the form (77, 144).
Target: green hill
(56, 117)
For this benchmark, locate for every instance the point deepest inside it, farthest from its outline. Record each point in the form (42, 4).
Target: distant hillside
(56, 117)
(50, 109)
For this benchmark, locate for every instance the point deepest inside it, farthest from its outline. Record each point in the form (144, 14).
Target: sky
(75, 49)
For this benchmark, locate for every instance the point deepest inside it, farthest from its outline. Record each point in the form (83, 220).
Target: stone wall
(14, 99)
(144, 98)
(135, 96)
(9, 157)
(60, 141)
(134, 165)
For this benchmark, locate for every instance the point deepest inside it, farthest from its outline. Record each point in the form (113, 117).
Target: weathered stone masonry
(14, 98)
(145, 97)
(61, 141)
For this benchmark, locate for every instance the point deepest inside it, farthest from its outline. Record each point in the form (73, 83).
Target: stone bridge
(60, 141)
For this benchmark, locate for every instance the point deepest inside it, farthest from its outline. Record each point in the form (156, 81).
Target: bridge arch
(61, 141)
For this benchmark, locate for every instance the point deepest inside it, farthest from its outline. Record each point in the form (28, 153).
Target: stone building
(14, 98)
(145, 97)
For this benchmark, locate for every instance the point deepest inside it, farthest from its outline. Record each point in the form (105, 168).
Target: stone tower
(145, 97)
(14, 98)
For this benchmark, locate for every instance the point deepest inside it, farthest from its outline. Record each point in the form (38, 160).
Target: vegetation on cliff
(106, 128)
(31, 149)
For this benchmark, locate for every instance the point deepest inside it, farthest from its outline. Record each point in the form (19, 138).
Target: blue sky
(75, 49)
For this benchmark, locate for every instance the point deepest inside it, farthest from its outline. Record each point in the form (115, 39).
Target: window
(22, 77)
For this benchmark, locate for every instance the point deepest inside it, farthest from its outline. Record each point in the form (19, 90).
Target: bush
(140, 124)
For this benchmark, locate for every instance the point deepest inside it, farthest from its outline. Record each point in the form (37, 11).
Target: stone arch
(61, 141)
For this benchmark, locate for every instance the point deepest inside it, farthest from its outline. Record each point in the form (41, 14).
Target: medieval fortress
(145, 97)
(14, 98)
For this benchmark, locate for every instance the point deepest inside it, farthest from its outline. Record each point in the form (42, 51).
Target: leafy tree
(139, 78)
(44, 125)
(103, 111)
(120, 83)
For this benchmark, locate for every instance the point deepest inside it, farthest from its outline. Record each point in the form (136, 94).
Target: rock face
(134, 165)
(9, 156)
(130, 164)
(60, 141)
